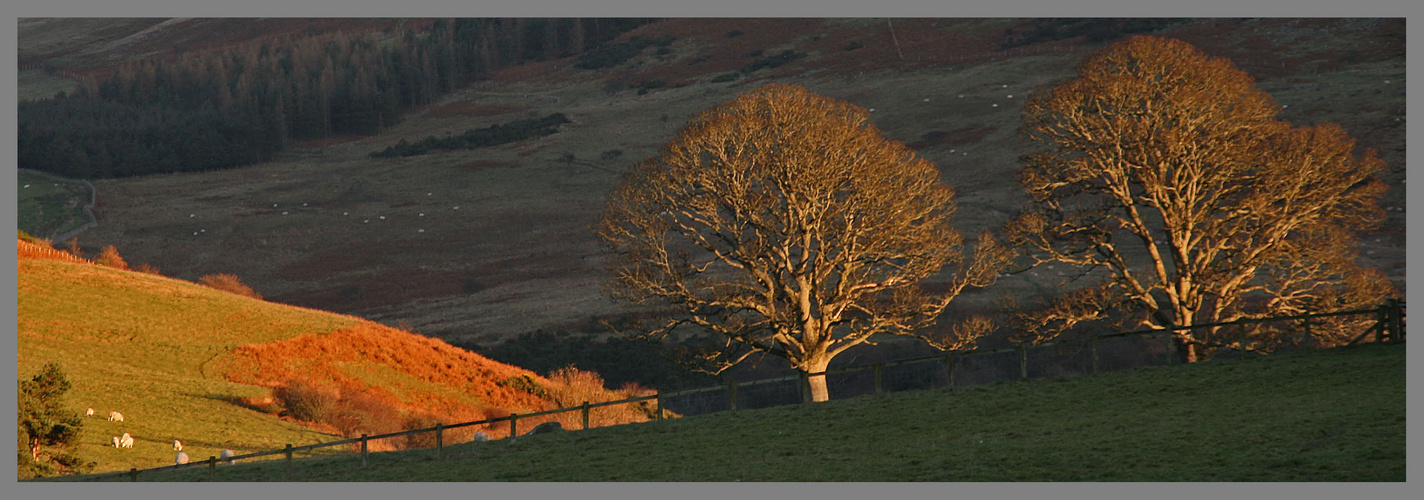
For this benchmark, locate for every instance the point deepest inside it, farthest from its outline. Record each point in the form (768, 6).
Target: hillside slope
(481, 245)
(183, 361)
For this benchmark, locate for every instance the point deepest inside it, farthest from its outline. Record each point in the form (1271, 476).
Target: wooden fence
(1388, 327)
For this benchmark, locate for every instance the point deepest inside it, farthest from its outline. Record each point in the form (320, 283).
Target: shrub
(493, 135)
(47, 431)
(734, 33)
(419, 439)
(574, 386)
(524, 383)
(228, 283)
(305, 401)
(109, 256)
(784, 57)
(356, 412)
(147, 268)
(610, 154)
(853, 45)
(725, 77)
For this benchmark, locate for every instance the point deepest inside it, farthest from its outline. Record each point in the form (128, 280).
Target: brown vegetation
(380, 379)
(229, 283)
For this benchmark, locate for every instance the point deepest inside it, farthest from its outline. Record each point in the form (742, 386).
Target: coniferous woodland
(241, 105)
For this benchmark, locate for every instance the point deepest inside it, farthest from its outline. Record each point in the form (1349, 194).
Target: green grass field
(47, 207)
(1335, 415)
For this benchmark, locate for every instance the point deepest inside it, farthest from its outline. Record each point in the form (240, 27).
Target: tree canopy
(43, 421)
(1168, 169)
(785, 222)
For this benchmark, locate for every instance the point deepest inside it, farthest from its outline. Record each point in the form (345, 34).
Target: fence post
(1381, 320)
(1094, 341)
(949, 369)
(212, 467)
(363, 450)
(1023, 362)
(585, 415)
(513, 427)
(1242, 342)
(879, 387)
(289, 460)
(660, 406)
(439, 440)
(1396, 333)
(1307, 330)
(732, 396)
(133, 474)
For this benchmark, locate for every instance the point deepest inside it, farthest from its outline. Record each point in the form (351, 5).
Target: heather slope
(180, 361)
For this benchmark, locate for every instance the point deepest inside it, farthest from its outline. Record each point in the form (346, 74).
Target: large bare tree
(1168, 169)
(785, 222)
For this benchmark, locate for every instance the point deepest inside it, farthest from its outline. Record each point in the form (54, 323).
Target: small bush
(307, 402)
(734, 33)
(228, 283)
(524, 383)
(853, 45)
(725, 77)
(662, 51)
(493, 135)
(147, 268)
(358, 413)
(610, 154)
(109, 256)
(419, 439)
(784, 57)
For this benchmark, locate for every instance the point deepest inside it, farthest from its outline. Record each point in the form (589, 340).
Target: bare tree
(785, 222)
(1168, 169)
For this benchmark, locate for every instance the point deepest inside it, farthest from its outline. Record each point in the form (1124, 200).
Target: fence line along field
(1268, 419)
(1388, 327)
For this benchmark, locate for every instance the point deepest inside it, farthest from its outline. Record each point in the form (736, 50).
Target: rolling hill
(188, 362)
(477, 246)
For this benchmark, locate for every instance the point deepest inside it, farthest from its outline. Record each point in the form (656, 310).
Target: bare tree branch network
(785, 222)
(1167, 170)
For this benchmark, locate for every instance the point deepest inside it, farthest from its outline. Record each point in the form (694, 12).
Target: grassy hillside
(1279, 418)
(187, 362)
(481, 245)
(48, 208)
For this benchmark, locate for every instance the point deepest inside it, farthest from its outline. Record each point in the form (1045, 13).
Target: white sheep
(114, 441)
(181, 458)
(89, 412)
(481, 437)
(126, 441)
(177, 445)
(227, 454)
(116, 416)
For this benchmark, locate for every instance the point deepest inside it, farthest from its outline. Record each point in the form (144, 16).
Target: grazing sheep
(89, 412)
(481, 437)
(115, 441)
(181, 458)
(227, 454)
(126, 441)
(116, 416)
(177, 445)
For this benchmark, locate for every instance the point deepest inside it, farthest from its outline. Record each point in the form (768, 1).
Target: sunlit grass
(1283, 418)
(143, 345)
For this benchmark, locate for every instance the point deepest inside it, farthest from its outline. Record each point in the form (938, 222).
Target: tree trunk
(819, 392)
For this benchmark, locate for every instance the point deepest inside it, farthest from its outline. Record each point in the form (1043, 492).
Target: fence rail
(1388, 327)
